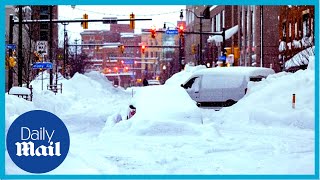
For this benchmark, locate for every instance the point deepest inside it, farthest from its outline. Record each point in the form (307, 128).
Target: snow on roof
(228, 34)
(238, 70)
(302, 58)
(19, 90)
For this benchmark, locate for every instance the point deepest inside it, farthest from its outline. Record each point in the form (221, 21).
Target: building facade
(296, 31)
(251, 34)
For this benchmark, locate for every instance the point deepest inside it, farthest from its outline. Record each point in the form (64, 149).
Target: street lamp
(200, 17)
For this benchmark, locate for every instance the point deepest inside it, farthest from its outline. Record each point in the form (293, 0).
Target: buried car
(162, 103)
(221, 87)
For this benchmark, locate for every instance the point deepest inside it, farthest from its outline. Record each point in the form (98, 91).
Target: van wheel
(229, 102)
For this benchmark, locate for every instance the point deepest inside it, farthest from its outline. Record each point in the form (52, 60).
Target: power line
(107, 14)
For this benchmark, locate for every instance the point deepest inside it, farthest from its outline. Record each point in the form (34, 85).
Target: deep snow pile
(161, 110)
(269, 102)
(88, 93)
(182, 76)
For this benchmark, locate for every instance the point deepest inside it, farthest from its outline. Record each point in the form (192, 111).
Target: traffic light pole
(200, 51)
(64, 47)
(20, 60)
(50, 46)
(10, 70)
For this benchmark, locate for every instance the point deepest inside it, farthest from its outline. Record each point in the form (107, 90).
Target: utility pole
(201, 58)
(76, 41)
(10, 72)
(50, 45)
(20, 60)
(64, 47)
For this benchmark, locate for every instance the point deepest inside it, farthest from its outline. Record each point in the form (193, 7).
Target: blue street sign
(11, 46)
(128, 61)
(171, 31)
(42, 65)
(222, 58)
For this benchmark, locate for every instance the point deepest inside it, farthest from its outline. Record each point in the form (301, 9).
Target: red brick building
(296, 30)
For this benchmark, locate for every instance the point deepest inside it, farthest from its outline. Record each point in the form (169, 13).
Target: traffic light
(143, 47)
(132, 21)
(12, 62)
(153, 32)
(121, 48)
(85, 23)
(194, 49)
(181, 30)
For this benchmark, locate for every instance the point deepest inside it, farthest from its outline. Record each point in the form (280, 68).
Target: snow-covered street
(261, 134)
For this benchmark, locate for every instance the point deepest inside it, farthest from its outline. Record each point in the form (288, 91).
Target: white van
(222, 86)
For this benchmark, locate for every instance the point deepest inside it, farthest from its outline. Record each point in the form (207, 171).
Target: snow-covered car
(152, 82)
(165, 103)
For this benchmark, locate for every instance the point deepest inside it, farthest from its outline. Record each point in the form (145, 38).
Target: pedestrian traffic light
(132, 25)
(121, 48)
(85, 23)
(181, 30)
(153, 32)
(143, 47)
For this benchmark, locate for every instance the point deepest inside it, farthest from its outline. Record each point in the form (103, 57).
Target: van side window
(257, 78)
(190, 83)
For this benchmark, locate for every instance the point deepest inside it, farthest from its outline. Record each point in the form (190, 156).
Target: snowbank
(269, 102)
(182, 76)
(90, 93)
(161, 110)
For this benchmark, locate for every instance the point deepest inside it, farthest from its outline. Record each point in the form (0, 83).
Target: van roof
(239, 70)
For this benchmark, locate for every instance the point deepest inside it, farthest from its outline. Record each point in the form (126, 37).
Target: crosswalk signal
(132, 25)
(85, 23)
(181, 30)
(153, 32)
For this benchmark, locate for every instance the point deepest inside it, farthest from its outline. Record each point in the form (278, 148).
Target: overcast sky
(158, 13)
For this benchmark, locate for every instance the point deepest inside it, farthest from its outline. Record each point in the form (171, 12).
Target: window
(290, 29)
(218, 22)
(44, 26)
(305, 25)
(284, 30)
(190, 83)
(223, 18)
(44, 16)
(43, 35)
(212, 25)
(296, 29)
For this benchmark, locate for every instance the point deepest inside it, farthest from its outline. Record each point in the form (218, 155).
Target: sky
(158, 13)
(268, 138)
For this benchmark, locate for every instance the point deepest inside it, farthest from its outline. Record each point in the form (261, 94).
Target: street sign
(128, 61)
(42, 47)
(42, 65)
(11, 46)
(222, 58)
(171, 31)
